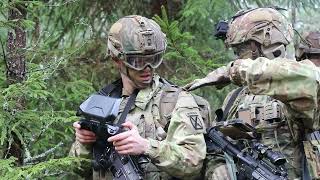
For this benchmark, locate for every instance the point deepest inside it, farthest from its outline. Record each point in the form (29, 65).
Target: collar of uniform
(145, 95)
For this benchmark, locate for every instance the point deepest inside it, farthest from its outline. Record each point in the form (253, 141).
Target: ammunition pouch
(265, 117)
(312, 152)
(262, 116)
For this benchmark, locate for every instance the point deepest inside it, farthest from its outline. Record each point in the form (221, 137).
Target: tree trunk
(16, 71)
(174, 6)
(16, 68)
(156, 6)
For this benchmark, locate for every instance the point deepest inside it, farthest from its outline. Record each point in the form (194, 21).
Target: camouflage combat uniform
(309, 48)
(180, 151)
(279, 97)
(293, 88)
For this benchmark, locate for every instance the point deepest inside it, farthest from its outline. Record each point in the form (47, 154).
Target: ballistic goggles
(139, 62)
(136, 60)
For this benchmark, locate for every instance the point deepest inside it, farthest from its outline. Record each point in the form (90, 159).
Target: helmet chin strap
(254, 50)
(248, 50)
(125, 71)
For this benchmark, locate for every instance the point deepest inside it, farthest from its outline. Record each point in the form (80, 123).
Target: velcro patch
(195, 120)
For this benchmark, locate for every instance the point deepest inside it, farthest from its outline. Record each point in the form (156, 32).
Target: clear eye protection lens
(139, 62)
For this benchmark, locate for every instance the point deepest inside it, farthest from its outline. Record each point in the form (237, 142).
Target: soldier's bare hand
(82, 135)
(129, 142)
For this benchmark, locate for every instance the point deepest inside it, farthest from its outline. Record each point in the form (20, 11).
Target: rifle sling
(127, 108)
(223, 114)
(114, 90)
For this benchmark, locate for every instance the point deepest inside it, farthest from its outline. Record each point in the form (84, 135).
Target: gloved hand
(234, 73)
(219, 78)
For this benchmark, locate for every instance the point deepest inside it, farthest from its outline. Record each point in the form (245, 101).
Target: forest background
(53, 56)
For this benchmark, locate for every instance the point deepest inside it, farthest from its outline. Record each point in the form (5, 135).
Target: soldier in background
(279, 97)
(173, 143)
(309, 50)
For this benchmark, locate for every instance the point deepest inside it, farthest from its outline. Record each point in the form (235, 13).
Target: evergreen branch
(55, 65)
(26, 150)
(10, 141)
(44, 128)
(54, 167)
(187, 58)
(61, 4)
(31, 160)
(174, 34)
(54, 174)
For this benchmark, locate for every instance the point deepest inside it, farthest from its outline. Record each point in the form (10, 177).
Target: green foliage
(180, 53)
(53, 167)
(188, 62)
(66, 61)
(27, 112)
(40, 110)
(200, 16)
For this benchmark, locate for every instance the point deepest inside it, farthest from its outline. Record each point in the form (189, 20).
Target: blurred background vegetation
(53, 55)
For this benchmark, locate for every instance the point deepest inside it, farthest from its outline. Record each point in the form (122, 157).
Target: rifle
(259, 163)
(98, 112)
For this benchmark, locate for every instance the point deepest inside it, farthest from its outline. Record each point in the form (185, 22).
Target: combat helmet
(263, 30)
(309, 46)
(137, 41)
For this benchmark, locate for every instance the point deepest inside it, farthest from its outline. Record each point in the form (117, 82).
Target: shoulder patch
(195, 120)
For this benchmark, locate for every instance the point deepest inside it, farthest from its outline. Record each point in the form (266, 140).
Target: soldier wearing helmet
(173, 143)
(309, 48)
(277, 96)
(262, 32)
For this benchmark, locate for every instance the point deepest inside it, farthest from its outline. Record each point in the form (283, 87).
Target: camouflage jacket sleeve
(81, 150)
(296, 84)
(182, 153)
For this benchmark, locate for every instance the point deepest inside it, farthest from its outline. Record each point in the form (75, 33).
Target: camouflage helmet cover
(309, 45)
(266, 26)
(135, 35)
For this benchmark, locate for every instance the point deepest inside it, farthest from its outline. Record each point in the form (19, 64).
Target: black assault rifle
(99, 112)
(256, 163)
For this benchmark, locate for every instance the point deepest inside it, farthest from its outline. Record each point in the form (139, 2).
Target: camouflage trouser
(215, 168)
